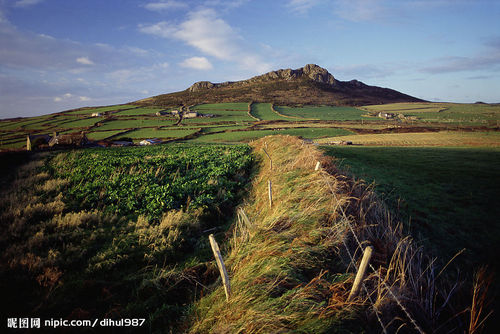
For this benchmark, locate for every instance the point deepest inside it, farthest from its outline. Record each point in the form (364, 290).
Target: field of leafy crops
(120, 232)
(151, 180)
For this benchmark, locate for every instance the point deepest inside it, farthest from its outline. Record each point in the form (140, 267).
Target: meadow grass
(100, 135)
(86, 122)
(446, 195)
(286, 260)
(442, 138)
(453, 113)
(326, 113)
(237, 136)
(221, 106)
(264, 112)
(155, 133)
(135, 123)
(139, 112)
(100, 109)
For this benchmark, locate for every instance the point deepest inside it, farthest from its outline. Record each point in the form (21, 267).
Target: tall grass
(290, 264)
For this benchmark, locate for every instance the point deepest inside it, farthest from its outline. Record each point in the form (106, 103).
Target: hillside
(310, 84)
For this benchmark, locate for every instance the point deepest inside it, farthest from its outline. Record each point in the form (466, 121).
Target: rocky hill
(310, 84)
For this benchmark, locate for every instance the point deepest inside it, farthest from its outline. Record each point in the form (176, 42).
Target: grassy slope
(450, 194)
(286, 263)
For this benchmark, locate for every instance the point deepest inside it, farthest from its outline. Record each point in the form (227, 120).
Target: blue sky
(62, 54)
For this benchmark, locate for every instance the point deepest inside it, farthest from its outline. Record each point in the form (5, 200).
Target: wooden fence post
(220, 264)
(361, 272)
(318, 165)
(270, 191)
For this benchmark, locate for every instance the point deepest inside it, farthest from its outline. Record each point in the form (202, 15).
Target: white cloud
(165, 5)
(57, 99)
(26, 3)
(301, 6)
(84, 61)
(160, 29)
(197, 63)
(84, 98)
(211, 35)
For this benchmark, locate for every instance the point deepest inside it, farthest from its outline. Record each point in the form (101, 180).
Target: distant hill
(310, 84)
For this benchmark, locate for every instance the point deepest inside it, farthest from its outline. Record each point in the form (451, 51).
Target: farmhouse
(71, 139)
(152, 141)
(35, 141)
(96, 114)
(175, 112)
(386, 115)
(190, 114)
(161, 113)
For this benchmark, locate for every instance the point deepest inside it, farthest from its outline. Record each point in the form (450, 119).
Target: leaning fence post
(270, 193)
(220, 264)
(361, 272)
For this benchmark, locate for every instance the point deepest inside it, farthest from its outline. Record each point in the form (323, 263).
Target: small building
(71, 140)
(386, 115)
(152, 141)
(161, 113)
(175, 112)
(96, 114)
(190, 114)
(35, 141)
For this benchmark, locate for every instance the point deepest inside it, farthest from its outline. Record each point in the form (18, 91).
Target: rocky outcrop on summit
(310, 71)
(310, 84)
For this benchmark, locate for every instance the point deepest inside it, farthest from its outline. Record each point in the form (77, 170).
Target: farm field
(138, 112)
(443, 138)
(446, 195)
(264, 112)
(452, 113)
(326, 113)
(116, 231)
(245, 136)
(164, 133)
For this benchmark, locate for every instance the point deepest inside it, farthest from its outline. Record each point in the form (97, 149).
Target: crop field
(116, 231)
(443, 138)
(320, 121)
(453, 113)
(325, 113)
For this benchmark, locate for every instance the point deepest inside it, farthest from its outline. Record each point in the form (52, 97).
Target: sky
(57, 55)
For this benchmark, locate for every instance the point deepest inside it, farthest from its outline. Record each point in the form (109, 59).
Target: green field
(264, 112)
(135, 123)
(81, 123)
(139, 112)
(452, 113)
(101, 109)
(115, 231)
(220, 106)
(100, 135)
(155, 133)
(245, 136)
(325, 113)
(448, 196)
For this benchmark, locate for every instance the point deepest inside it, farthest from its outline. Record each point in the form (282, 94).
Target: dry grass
(443, 138)
(287, 263)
